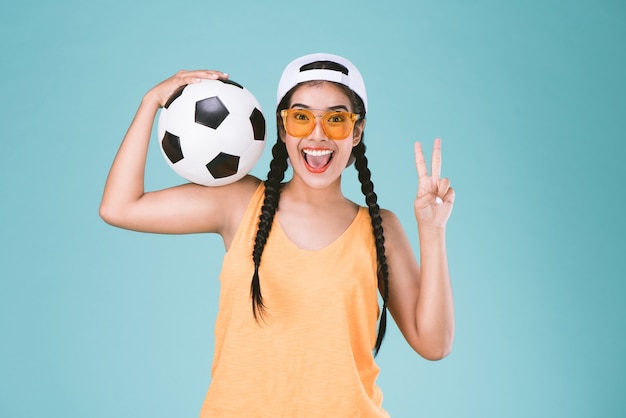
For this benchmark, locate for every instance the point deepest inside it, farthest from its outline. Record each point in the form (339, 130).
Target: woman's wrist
(431, 231)
(151, 101)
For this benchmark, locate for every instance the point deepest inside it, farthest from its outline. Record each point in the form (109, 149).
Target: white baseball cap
(321, 67)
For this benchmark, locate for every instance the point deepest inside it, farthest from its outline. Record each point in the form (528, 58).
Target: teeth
(317, 153)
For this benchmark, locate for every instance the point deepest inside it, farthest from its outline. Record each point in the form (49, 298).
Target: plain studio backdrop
(528, 97)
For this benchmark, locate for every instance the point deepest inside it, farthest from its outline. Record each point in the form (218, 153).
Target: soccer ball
(212, 132)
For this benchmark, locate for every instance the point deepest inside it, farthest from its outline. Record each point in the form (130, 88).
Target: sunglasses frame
(352, 116)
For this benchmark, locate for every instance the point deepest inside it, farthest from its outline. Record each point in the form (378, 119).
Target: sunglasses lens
(300, 123)
(337, 125)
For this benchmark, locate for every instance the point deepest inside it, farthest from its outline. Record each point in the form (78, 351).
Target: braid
(278, 166)
(367, 187)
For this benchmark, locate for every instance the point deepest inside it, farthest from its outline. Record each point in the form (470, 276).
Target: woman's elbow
(436, 354)
(435, 349)
(109, 214)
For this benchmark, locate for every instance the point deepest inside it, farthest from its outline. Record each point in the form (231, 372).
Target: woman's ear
(357, 132)
(280, 128)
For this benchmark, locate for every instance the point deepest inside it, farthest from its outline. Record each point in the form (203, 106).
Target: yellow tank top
(312, 355)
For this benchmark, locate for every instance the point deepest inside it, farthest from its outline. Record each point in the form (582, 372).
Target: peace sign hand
(435, 197)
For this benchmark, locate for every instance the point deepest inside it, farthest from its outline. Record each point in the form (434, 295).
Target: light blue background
(528, 96)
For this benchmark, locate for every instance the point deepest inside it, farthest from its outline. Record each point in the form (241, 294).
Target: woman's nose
(318, 131)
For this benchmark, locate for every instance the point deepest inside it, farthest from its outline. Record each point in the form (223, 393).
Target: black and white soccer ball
(212, 132)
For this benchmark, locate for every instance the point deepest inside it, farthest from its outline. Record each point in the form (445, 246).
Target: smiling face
(316, 159)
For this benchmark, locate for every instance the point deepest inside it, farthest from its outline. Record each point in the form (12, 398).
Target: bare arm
(187, 208)
(421, 299)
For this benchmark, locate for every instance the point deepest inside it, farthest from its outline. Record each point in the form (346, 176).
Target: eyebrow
(337, 107)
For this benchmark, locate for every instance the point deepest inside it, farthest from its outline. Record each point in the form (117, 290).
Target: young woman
(299, 319)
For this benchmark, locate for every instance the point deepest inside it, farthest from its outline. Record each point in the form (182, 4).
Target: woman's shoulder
(246, 187)
(391, 225)
(238, 195)
(388, 215)
(230, 196)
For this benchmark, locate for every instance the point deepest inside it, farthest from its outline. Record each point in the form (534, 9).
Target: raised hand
(162, 91)
(435, 197)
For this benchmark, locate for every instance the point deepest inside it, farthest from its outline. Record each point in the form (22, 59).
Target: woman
(296, 331)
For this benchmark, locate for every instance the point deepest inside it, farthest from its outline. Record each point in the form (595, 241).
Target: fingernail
(438, 200)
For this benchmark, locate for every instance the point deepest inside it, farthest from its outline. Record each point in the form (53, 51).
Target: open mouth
(317, 160)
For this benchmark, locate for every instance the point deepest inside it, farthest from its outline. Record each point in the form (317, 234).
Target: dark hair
(273, 186)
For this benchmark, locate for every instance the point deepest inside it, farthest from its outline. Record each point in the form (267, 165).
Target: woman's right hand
(161, 93)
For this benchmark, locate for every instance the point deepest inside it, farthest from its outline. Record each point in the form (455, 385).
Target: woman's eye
(300, 116)
(336, 118)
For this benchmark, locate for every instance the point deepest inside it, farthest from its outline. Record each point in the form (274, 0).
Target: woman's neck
(298, 191)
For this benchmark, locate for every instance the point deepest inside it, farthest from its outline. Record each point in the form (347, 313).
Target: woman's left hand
(435, 197)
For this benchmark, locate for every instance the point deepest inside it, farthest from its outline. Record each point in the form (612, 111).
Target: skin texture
(313, 211)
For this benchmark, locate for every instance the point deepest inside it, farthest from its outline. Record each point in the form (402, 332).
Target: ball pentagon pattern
(212, 132)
